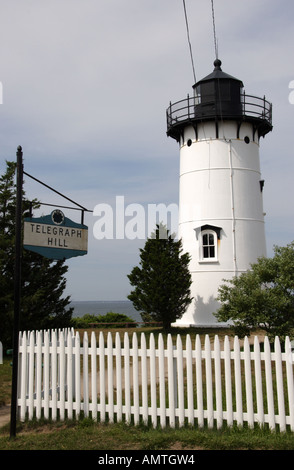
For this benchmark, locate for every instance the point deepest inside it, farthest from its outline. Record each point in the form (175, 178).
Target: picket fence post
(258, 382)
(110, 377)
(280, 387)
(180, 380)
(228, 381)
(171, 383)
(189, 365)
(209, 388)
(102, 378)
(248, 383)
(62, 370)
(119, 387)
(93, 353)
(135, 378)
(218, 383)
(46, 374)
(127, 377)
(199, 382)
(153, 381)
(69, 376)
(144, 373)
(86, 374)
(161, 371)
(23, 376)
(54, 376)
(290, 380)
(31, 351)
(77, 353)
(269, 384)
(238, 382)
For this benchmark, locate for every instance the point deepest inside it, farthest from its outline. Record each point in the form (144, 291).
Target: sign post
(17, 289)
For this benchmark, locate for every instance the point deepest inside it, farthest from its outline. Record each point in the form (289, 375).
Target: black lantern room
(218, 94)
(219, 97)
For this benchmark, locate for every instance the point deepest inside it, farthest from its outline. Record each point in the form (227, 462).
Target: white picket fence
(199, 384)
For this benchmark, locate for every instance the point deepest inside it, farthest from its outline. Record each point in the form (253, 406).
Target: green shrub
(109, 320)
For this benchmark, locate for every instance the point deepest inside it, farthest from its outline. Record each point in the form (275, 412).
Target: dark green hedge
(109, 320)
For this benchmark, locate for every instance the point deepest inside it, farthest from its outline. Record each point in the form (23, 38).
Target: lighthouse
(221, 217)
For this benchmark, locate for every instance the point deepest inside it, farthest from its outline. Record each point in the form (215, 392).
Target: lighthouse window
(208, 92)
(209, 245)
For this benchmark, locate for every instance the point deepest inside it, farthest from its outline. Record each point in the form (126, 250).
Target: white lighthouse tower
(221, 218)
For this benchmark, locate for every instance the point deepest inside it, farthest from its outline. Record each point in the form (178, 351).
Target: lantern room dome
(218, 74)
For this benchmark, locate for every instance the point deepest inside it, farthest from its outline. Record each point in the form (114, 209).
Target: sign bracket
(81, 208)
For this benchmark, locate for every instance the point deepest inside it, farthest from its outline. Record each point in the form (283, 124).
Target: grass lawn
(88, 435)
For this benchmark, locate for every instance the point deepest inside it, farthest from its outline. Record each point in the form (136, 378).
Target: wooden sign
(55, 236)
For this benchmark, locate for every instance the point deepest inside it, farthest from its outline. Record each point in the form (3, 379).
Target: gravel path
(4, 415)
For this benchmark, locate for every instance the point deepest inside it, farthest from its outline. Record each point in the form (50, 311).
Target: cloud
(86, 84)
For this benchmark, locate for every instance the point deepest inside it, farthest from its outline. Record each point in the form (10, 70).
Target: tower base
(209, 325)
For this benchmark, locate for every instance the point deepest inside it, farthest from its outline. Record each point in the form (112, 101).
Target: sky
(85, 88)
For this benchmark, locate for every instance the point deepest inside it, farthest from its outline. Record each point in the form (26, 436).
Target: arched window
(208, 245)
(208, 237)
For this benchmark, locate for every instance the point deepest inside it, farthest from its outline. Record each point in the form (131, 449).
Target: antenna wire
(189, 42)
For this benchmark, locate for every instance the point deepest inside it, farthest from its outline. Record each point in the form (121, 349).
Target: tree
(162, 283)
(262, 297)
(43, 282)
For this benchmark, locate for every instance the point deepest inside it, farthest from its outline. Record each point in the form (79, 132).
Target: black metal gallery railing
(192, 108)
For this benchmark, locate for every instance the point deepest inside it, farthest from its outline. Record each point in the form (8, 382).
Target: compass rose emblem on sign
(57, 217)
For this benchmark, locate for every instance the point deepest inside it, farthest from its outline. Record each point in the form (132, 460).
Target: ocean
(102, 307)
